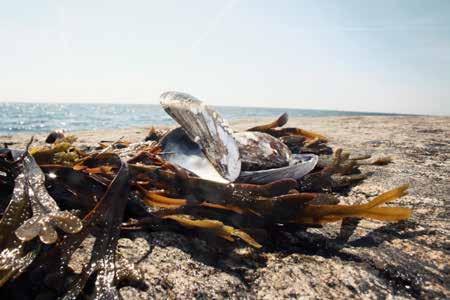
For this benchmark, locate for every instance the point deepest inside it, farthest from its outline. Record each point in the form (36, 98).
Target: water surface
(44, 117)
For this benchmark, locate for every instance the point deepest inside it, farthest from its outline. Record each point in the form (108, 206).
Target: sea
(45, 117)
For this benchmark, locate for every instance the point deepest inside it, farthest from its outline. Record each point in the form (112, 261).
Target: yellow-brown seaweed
(318, 214)
(216, 227)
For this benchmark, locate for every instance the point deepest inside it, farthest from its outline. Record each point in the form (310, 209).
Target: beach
(408, 259)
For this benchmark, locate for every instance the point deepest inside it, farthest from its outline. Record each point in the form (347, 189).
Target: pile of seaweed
(54, 197)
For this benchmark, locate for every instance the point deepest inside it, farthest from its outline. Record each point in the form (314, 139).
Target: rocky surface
(381, 260)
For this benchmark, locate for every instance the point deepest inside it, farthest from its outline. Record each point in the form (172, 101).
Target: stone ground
(381, 260)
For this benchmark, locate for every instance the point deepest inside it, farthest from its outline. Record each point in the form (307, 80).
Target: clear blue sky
(387, 56)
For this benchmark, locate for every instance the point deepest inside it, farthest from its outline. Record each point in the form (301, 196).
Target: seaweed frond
(215, 227)
(317, 214)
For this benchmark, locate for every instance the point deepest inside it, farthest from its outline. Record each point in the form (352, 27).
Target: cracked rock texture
(381, 260)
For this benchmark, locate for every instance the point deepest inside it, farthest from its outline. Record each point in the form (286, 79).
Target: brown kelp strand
(201, 177)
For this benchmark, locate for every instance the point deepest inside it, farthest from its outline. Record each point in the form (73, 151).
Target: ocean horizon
(44, 117)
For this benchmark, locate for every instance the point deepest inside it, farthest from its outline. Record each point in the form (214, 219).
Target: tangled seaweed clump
(200, 177)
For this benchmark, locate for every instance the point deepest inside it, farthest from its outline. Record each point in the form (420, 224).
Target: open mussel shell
(205, 126)
(180, 150)
(300, 165)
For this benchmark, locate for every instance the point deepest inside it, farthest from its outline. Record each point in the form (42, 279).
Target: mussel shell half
(180, 150)
(260, 151)
(300, 165)
(204, 126)
(54, 136)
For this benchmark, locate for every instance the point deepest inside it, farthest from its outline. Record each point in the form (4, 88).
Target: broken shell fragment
(300, 165)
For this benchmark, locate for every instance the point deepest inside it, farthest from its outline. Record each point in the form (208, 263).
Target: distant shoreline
(355, 128)
(219, 106)
(41, 118)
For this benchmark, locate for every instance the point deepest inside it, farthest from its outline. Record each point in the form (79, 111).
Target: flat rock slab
(381, 260)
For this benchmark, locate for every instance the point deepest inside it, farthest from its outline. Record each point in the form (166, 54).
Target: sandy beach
(408, 259)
